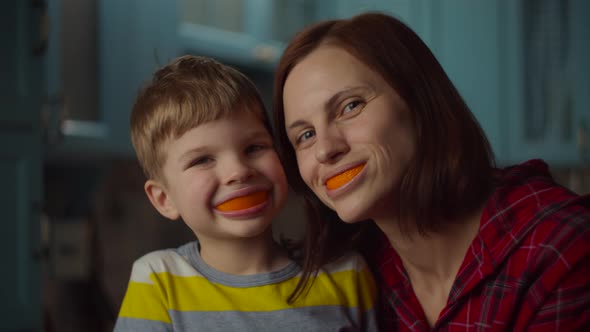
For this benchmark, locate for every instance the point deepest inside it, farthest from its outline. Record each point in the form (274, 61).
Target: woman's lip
(334, 193)
(239, 193)
(341, 170)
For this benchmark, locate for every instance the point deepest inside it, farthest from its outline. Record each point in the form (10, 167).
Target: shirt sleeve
(568, 307)
(144, 306)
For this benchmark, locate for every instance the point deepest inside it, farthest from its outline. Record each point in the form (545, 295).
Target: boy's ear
(159, 198)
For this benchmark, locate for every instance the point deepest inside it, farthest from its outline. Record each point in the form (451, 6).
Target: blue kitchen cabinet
(130, 39)
(522, 68)
(546, 85)
(464, 36)
(135, 37)
(245, 33)
(21, 61)
(406, 10)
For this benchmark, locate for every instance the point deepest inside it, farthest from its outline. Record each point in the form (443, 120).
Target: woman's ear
(160, 199)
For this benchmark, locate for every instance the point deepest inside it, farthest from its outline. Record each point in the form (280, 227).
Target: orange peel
(243, 202)
(344, 177)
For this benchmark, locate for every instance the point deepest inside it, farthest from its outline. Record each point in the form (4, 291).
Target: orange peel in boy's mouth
(343, 178)
(243, 202)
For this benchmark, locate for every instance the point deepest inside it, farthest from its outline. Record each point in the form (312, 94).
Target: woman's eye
(351, 106)
(305, 136)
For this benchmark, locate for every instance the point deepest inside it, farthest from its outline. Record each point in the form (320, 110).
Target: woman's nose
(330, 146)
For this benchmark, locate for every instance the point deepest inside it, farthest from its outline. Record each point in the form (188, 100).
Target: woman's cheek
(304, 168)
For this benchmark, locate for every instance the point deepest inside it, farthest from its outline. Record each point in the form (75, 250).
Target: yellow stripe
(195, 293)
(144, 301)
(198, 294)
(368, 292)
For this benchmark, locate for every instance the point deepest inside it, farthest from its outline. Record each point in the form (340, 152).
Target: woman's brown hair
(451, 173)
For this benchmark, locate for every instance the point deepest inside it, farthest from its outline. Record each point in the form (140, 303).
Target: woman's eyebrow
(297, 123)
(331, 103)
(334, 100)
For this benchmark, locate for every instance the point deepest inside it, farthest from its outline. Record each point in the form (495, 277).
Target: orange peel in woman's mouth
(344, 177)
(243, 202)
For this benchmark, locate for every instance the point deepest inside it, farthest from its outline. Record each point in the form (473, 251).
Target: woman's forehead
(325, 73)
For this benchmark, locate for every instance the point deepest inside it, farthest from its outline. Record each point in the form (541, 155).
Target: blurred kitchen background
(75, 214)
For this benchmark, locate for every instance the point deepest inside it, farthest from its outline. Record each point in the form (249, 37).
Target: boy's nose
(239, 172)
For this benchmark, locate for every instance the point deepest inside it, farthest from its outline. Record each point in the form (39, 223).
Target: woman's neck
(432, 260)
(433, 257)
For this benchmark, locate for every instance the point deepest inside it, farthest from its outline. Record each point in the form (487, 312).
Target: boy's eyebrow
(254, 133)
(257, 133)
(332, 102)
(251, 135)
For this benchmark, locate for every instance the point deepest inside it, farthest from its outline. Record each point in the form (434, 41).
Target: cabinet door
(246, 33)
(403, 9)
(20, 203)
(580, 41)
(20, 165)
(135, 38)
(547, 78)
(463, 35)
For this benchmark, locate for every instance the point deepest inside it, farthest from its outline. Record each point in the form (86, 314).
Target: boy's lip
(239, 193)
(341, 170)
(245, 213)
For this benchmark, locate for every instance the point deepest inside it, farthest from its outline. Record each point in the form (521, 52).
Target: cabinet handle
(52, 118)
(266, 53)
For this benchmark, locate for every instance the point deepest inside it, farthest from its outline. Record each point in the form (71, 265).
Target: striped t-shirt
(175, 290)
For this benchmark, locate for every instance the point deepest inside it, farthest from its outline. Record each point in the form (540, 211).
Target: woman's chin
(349, 217)
(347, 212)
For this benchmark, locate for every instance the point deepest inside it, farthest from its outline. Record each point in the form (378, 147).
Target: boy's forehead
(202, 118)
(242, 119)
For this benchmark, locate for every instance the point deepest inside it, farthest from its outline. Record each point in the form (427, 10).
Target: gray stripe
(125, 324)
(308, 319)
(191, 252)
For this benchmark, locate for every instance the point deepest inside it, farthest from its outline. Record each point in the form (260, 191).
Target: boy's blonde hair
(189, 91)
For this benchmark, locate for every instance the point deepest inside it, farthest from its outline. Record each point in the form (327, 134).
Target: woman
(373, 133)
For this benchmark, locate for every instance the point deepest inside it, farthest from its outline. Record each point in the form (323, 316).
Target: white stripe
(171, 262)
(349, 262)
(161, 261)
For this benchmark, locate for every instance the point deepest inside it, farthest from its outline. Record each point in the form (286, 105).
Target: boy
(202, 136)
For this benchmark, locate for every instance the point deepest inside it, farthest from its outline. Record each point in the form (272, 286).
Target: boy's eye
(304, 136)
(255, 147)
(200, 161)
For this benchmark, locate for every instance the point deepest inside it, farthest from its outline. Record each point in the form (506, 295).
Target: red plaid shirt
(528, 269)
